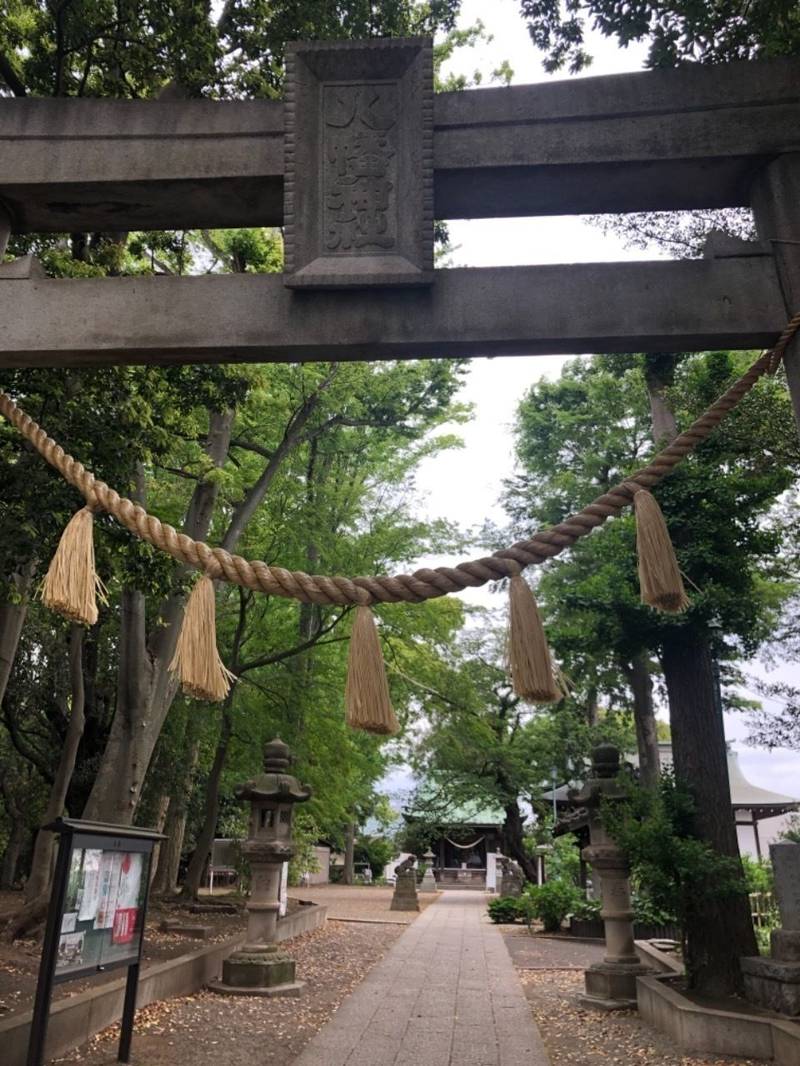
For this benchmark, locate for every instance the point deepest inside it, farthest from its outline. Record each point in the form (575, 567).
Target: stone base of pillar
(405, 893)
(612, 985)
(260, 970)
(773, 983)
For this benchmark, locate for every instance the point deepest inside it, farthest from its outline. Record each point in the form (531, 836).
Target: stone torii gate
(356, 164)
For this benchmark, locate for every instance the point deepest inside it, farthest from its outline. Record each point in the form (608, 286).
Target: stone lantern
(610, 984)
(428, 883)
(258, 967)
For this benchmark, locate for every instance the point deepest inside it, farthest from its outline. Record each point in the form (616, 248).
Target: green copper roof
(436, 808)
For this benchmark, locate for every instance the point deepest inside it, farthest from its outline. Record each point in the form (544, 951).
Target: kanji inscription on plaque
(360, 167)
(358, 185)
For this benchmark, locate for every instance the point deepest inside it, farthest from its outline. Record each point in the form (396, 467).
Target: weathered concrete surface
(445, 995)
(776, 207)
(75, 1019)
(656, 140)
(697, 1028)
(602, 307)
(773, 984)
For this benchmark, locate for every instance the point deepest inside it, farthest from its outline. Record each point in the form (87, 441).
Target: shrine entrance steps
(446, 994)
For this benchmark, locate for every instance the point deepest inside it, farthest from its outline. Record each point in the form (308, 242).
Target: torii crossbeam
(696, 137)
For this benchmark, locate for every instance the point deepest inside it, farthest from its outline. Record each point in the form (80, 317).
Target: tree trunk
(146, 687)
(592, 707)
(12, 619)
(513, 841)
(194, 875)
(349, 854)
(160, 822)
(638, 674)
(659, 373)
(134, 729)
(718, 931)
(165, 882)
(42, 864)
(16, 838)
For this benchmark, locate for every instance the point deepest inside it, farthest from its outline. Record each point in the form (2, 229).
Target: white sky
(464, 485)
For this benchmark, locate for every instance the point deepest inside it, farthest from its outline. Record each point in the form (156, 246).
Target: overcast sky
(464, 485)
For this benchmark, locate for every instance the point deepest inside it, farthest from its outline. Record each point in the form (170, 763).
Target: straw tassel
(659, 576)
(528, 654)
(202, 673)
(367, 700)
(71, 586)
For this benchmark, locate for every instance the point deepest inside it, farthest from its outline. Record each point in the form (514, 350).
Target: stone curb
(696, 1028)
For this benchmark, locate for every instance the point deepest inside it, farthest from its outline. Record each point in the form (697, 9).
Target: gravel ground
(550, 953)
(361, 901)
(578, 1036)
(211, 1030)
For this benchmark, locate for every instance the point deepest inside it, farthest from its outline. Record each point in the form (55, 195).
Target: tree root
(27, 921)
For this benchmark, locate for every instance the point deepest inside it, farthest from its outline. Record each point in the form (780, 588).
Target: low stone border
(660, 961)
(75, 1019)
(697, 1028)
(307, 917)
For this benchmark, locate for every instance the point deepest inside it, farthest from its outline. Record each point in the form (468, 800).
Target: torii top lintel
(356, 163)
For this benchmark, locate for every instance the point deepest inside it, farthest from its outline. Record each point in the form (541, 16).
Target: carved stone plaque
(358, 185)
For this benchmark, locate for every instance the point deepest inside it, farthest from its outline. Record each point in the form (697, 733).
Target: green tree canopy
(735, 543)
(675, 30)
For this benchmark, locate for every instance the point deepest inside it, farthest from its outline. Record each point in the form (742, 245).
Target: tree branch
(10, 77)
(245, 510)
(298, 649)
(30, 754)
(251, 446)
(176, 470)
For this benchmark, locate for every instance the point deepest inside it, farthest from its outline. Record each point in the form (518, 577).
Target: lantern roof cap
(274, 783)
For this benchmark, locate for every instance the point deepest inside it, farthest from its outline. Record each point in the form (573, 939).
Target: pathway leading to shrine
(446, 994)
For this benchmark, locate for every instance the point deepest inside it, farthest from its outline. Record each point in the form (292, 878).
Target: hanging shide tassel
(367, 700)
(660, 579)
(528, 654)
(71, 586)
(202, 673)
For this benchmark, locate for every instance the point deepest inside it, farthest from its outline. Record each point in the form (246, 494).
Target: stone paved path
(445, 995)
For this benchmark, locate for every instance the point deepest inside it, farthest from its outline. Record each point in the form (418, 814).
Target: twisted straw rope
(423, 584)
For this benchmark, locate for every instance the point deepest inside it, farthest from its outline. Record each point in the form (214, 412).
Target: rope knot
(212, 567)
(631, 488)
(361, 597)
(92, 504)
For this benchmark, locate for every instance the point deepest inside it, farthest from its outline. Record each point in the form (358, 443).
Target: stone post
(610, 984)
(774, 982)
(258, 968)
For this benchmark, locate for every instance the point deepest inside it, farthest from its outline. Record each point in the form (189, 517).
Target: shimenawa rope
(422, 584)
(71, 583)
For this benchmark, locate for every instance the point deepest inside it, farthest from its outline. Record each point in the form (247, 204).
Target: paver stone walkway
(446, 994)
